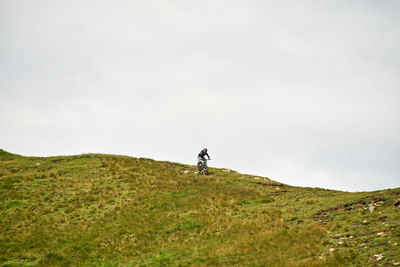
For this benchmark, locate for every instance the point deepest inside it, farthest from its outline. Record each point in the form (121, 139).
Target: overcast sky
(304, 92)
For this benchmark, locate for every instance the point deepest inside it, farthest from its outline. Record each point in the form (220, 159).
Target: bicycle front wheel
(205, 170)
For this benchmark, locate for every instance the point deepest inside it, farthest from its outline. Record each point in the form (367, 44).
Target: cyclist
(201, 157)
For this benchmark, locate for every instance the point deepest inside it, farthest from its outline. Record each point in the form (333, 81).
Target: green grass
(107, 210)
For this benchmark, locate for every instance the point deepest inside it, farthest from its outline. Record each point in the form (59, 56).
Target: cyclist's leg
(198, 164)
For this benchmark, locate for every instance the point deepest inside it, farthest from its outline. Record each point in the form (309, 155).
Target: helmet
(205, 149)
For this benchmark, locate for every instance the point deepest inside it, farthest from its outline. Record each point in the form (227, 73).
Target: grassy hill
(107, 210)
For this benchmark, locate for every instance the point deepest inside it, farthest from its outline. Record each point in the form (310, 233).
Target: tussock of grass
(105, 210)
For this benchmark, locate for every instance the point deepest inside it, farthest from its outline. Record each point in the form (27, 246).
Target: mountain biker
(201, 157)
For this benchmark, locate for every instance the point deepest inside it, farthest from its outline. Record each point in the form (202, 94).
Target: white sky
(304, 92)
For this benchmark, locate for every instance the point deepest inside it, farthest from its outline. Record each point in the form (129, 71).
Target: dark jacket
(203, 153)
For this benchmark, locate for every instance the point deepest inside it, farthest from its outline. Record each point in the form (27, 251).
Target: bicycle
(203, 168)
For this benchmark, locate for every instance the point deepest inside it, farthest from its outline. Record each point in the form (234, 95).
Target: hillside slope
(106, 210)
